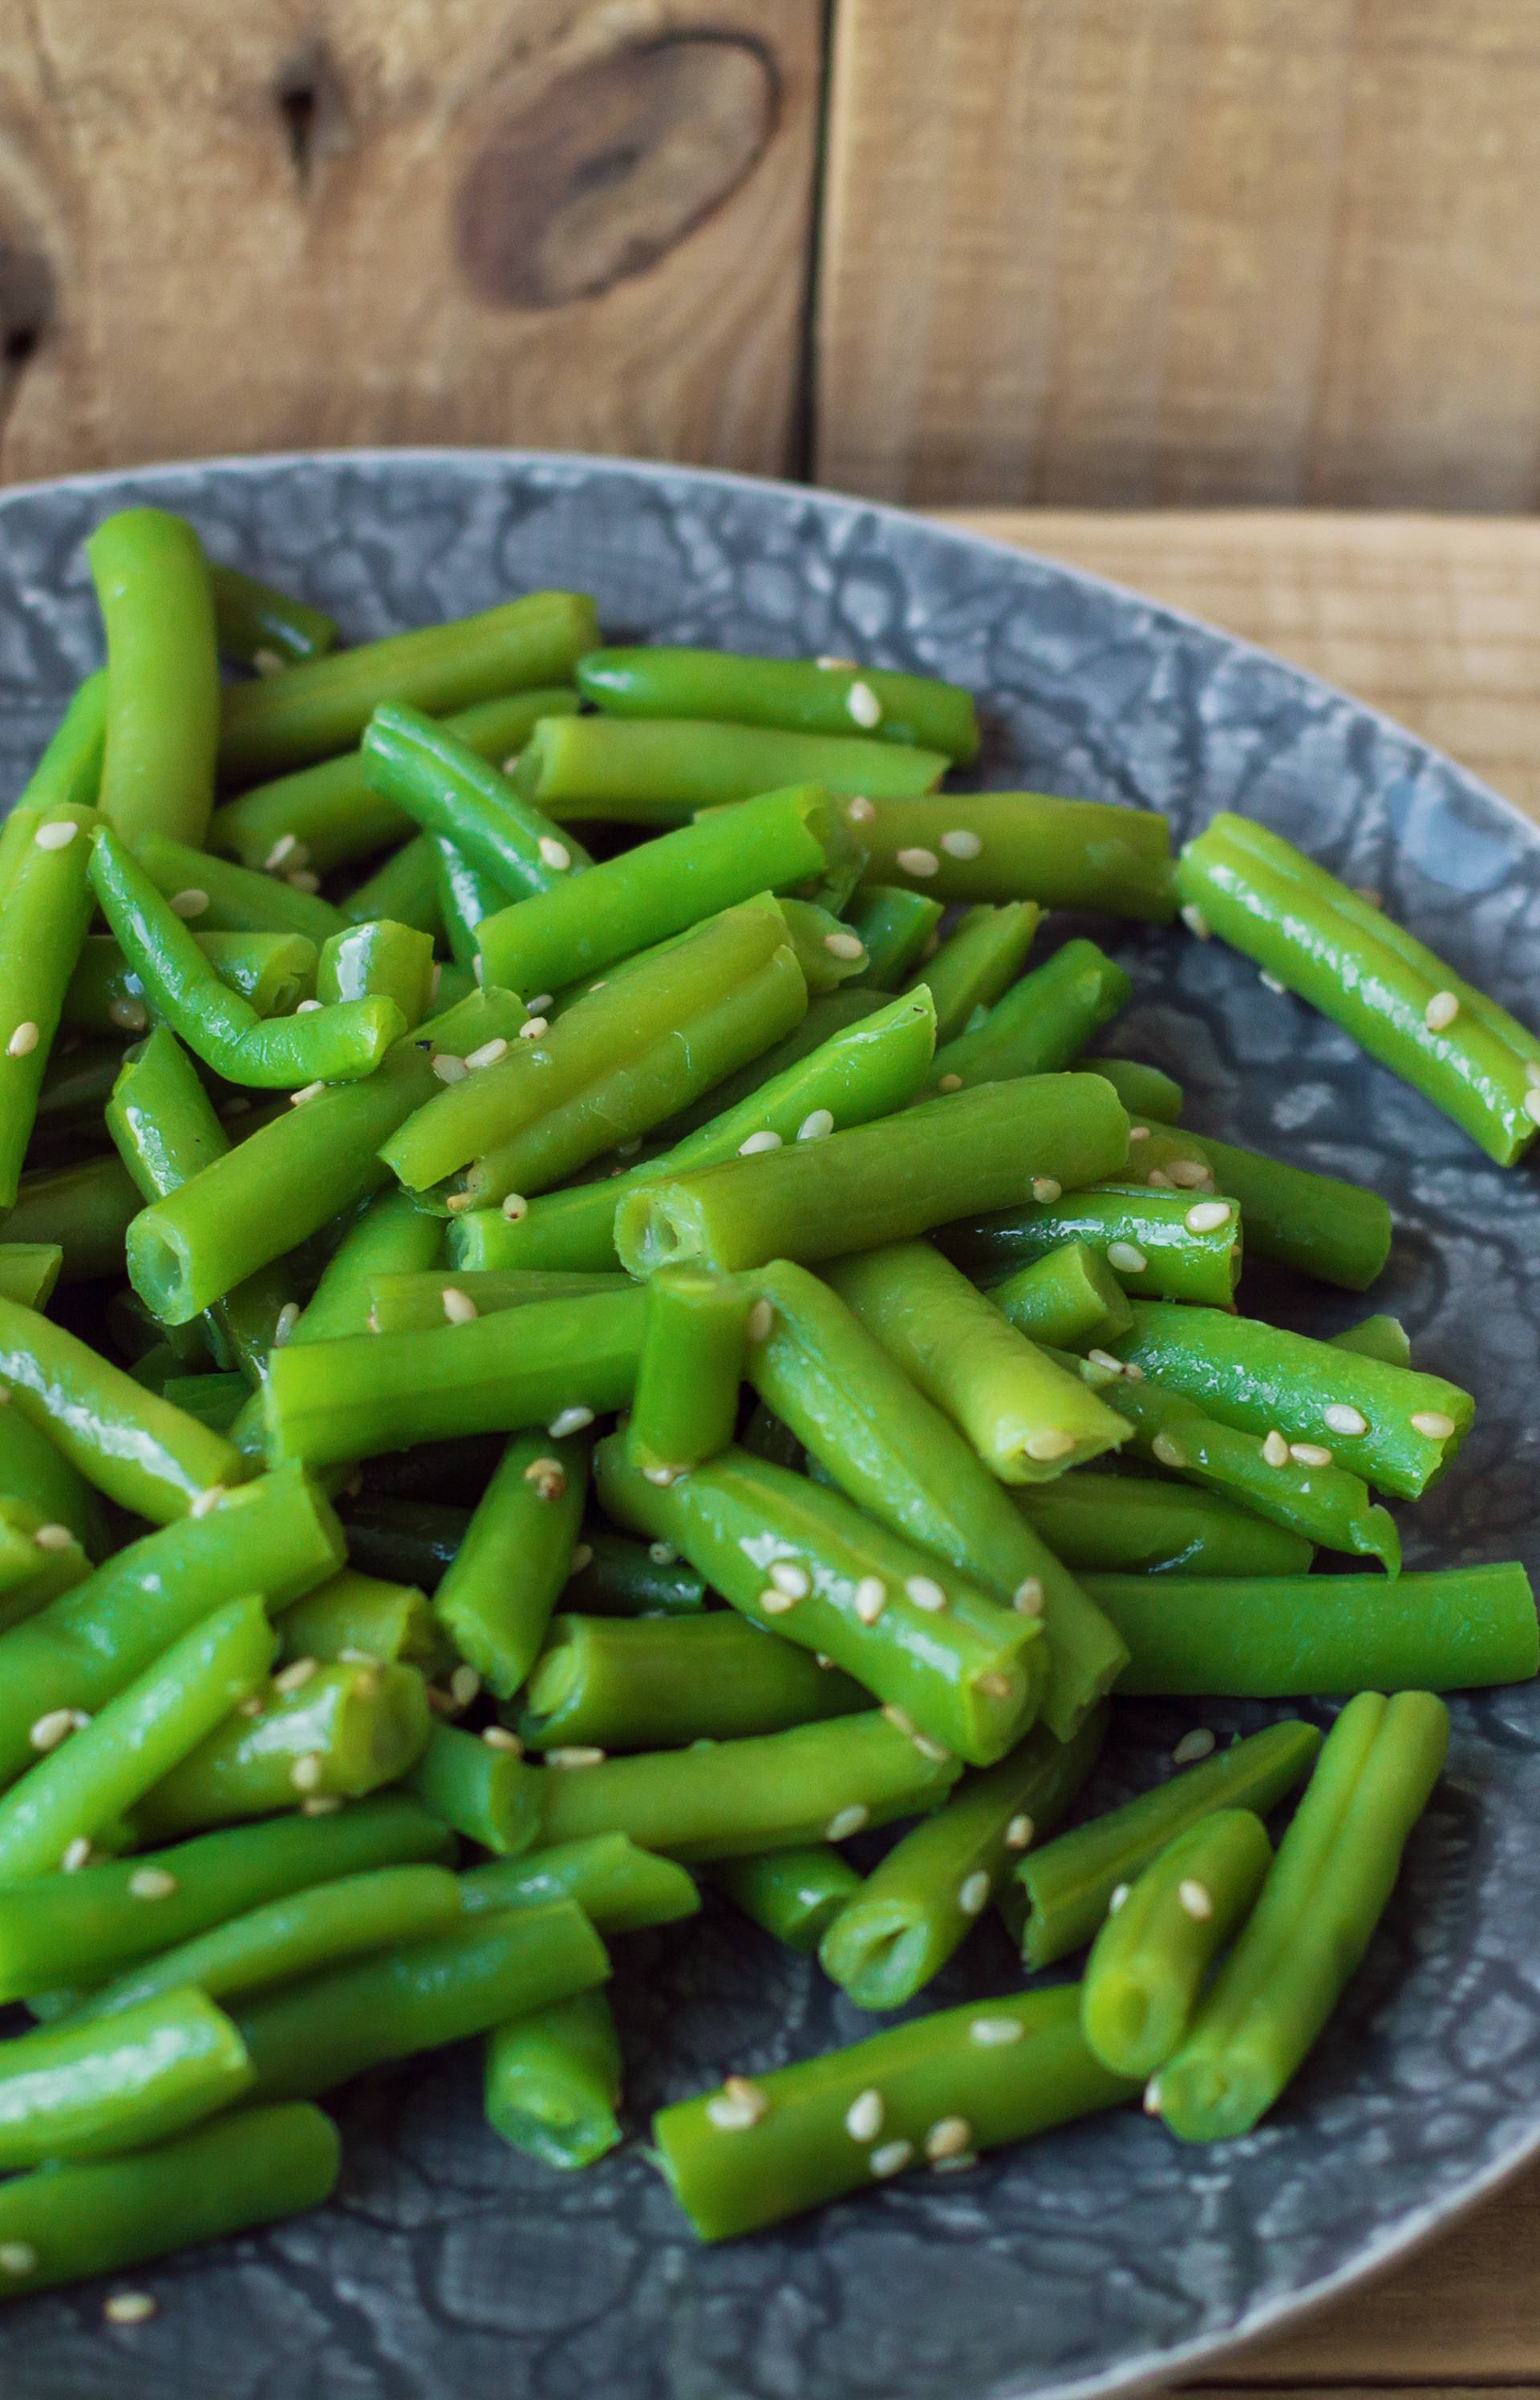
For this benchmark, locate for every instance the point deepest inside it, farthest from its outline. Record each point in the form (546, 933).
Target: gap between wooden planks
(1436, 621)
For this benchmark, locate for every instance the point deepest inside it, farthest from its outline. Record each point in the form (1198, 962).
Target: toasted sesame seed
(285, 848)
(1441, 1010)
(1027, 1599)
(972, 1894)
(844, 946)
(1271, 982)
(458, 1306)
(582, 1556)
(786, 1575)
(547, 1477)
(1207, 1216)
(1433, 1422)
(1151, 2103)
(916, 861)
(1046, 1189)
(961, 843)
(892, 2159)
(864, 706)
(1052, 1443)
(1159, 1177)
(1196, 922)
(308, 1770)
(663, 1554)
(152, 1883)
(459, 1200)
(1343, 1417)
(514, 1206)
(295, 1678)
(776, 1603)
(1019, 1832)
(498, 1737)
(1168, 1451)
(1276, 1449)
(899, 1717)
(448, 1068)
(57, 834)
(321, 1804)
(77, 1855)
(821, 1658)
(554, 853)
(1127, 1258)
(950, 1084)
(50, 1729)
(1189, 1173)
(204, 1503)
(17, 2258)
(23, 1042)
(464, 1686)
(309, 1092)
(996, 2033)
(846, 1821)
(738, 2106)
(1193, 1746)
(815, 1124)
(863, 2116)
(1104, 1358)
(488, 1054)
(1195, 1898)
(53, 1537)
(860, 812)
(948, 2137)
(762, 1316)
(1139, 1133)
(1309, 1454)
(758, 1143)
(570, 1421)
(871, 1599)
(190, 903)
(575, 1754)
(925, 1592)
(533, 1027)
(995, 1686)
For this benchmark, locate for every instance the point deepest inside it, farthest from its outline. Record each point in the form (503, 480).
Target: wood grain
(1132, 251)
(275, 226)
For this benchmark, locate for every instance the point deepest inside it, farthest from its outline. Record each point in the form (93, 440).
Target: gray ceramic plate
(1104, 2257)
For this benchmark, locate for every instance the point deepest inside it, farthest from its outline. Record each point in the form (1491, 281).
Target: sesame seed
(17, 2258)
(1271, 982)
(1196, 922)
(1433, 1422)
(1193, 1746)
(871, 1599)
(53, 1537)
(1343, 1417)
(1441, 1010)
(582, 1556)
(1151, 2103)
(948, 2137)
(1046, 1189)
(961, 843)
(739, 2105)
(450, 1069)
(307, 1007)
(1052, 1442)
(1309, 1454)
(575, 1754)
(204, 1503)
(498, 1737)
(995, 1686)
(863, 2116)
(132, 1015)
(129, 2308)
(1118, 1897)
(295, 1678)
(758, 1143)
(23, 1042)
(308, 1770)
(663, 1554)
(533, 1027)
(1189, 1174)
(892, 2159)
(1276, 1449)
(1371, 893)
(547, 1477)
(556, 853)
(899, 1717)
(570, 1421)
(488, 1054)
(542, 1000)
(190, 903)
(251, 1706)
(1104, 1358)
(996, 2033)
(152, 1883)
(514, 1206)
(1195, 1898)
(1532, 1102)
(844, 946)
(458, 1306)
(864, 706)
(321, 1804)
(464, 1686)
(786, 1575)
(925, 1592)
(972, 1896)
(1127, 1258)
(285, 848)
(846, 1821)
(309, 1092)
(950, 1084)
(50, 1729)
(1207, 1216)
(915, 861)
(1019, 1832)
(1027, 1599)
(1169, 1452)
(1158, 1176)
(814, 1126)
(1139, 1133)
(833, 665)
(57, 835)
(762, 1316)
(776, 1603)
(77, 1855)
(1531, 1072)
(459, 1200)
(860, 812)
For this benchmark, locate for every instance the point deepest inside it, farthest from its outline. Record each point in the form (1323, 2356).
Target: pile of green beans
(533, 1381)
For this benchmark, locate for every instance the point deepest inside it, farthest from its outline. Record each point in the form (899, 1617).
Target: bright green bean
(618, 1887)
(1042, 1024)
(45, 908)
(793, 1895)
(29, 1272)
(661, 772)
(1164, 1245)
(788, 695)
(896, 929)
(407, 888)
(216, 898)
(415, 1303)
(1377, 1337)
(1146, 1092)
(1339, 1233)
(553, 2080)
(261, 627)
(694, 1338)
(495, 1601)
(378, 957)
(86, 1207)
(270, 971)
(1127, 1524)
(983, 955)
(1149, 1963)
(1021, 846)
(449, 789)
(1068, 1298)
(83, 2090)
(485, 1792)
(163, 700)
(658, 1683)
(358, 1618)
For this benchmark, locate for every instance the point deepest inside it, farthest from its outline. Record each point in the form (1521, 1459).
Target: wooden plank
(225, 229)
(1435, 619)
(1214, 250)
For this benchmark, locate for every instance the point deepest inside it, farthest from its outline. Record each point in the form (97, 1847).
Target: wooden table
(1436, 621)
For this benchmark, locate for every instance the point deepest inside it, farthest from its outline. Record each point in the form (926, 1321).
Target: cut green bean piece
(1162, 1245)
(827, 951)
(359, 1617)
(29, 1272)
(69, 773)
(264, 628)
(693, 1343)
(39, 1559)
(789, 695)
(1316, 1225)
(452, 791)
(270, 971)
(84, 2090)
(733, 1799)
(392, 1235)
(793, 1895)
(465, 897)
(163, 700)
(552, 2082)
(661, 772)
(619, 1886)
(941, 2087)
(314, 710)
(920, 1903)
(896, 929)
(1022, 846)
(1067, 1885)
(1335, 1870)
(378, 957)
(1068, 1298)
(44, 907)
(495, 1601)
(86, 1207)
(486, 1794)
(417, 1304)
(214, 896)
(979, 960)
(1146, 1092)
(1149, 1963)
(1130, 1523)
(1042, 1023)
(67, 2222)
(1377, 1337)
(658, 1683)
(407, 888)
(408, 1540)
(622, 1579)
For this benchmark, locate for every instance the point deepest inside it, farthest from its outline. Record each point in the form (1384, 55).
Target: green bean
(1397, 999)
(861, 1071)
(1397, 1427)
(981, 956)
(330, 813)
(495, 1601)
(264, 628)
(142, 1452)
(163, 700)
(29, 1272)
(793, 1895)
(378, 957)
(392, 1235)
(1068, 1299)
(314, 710)
(336, 1045)
(1024, 1414)
(938, 2088)
(733, 1799)
(618, 1887)
(894, 928)
(84, 2090)
(687, 1379)
(1146, 1092)
(1377, 1337)
(347, 1731)
(359, 1617)
(1021, 846)
(65, 2222)
(95, 1771)
(271, 972)
(1325, 1503)
(38, 1561)
(415, 1303)
(1042, 1023)
(622, 1579)
(75, 1083)
(86, 1207)
(72, 1929)
(405, 1540)
(786, 695)
(658, 1683)
(1067, 1887)
(449, 789)
(407, 888)
(68, 774)
(45, 908)
(1129, 1523)
(485, 1792)
(1329, 1886)
(801, 1561)
(553, 2080)
(828, 952)
(217, 898)
(465, 898)
(1165, 1245)
(893, 1452)
(585, 923)
(1339, 1233)
(327, 1401)
(1152, 1957)
(877, 1183)
(920, 1903)
(659, 773)
(1455, 1629)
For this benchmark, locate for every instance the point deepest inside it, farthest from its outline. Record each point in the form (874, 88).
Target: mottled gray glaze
(1104, 2256)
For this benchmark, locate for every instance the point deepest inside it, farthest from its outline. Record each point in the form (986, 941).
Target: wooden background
(970, 252)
